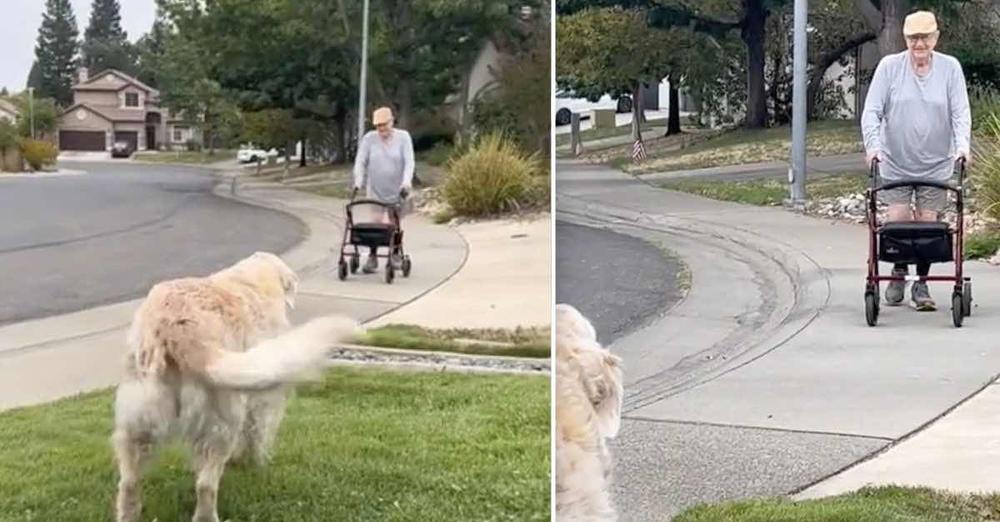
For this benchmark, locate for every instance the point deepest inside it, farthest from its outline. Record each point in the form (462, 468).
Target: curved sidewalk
(765, 379)
(54, 357)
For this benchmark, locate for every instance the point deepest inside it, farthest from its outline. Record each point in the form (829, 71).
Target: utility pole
(797, 172)
(363, 87)
(31, 109)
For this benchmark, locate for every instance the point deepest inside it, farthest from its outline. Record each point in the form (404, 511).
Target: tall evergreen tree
(56, 51)
(151, 48)
(105, 43)
(35, 76)
(105, 22)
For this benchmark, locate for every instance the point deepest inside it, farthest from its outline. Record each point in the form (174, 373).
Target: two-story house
(113, 106)
(8, 111)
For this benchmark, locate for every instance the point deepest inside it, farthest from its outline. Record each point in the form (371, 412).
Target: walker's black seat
(914, 241)
(372, 234)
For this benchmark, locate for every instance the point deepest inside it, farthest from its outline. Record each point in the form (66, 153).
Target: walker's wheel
(390, 272)
(871, 308)
(342, 269)
(406, 266)
(967, 299)
(355, 263)
(957, 312)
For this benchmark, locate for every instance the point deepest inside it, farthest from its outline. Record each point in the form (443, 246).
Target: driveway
(72, 242)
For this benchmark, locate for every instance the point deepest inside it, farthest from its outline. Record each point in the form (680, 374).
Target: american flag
(638, 151)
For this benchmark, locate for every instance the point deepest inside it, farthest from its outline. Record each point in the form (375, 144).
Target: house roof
(7, 106)
(89, 85)
(110, 113)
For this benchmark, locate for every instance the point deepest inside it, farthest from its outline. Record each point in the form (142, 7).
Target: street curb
(431, 353)
(438, 360)
(44, 174)
(896, 442)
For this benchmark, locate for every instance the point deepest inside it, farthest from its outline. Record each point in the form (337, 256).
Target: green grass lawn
(740, 146)
(362, 445)
(882, 504)
(770, 192)
(522, 342)
(197, 158)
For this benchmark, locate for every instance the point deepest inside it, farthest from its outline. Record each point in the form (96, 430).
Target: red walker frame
(962, 292)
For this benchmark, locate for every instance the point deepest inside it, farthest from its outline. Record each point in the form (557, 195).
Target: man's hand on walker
(963, 155)
(870, 157)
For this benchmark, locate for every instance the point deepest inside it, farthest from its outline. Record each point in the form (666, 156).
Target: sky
(18, 32)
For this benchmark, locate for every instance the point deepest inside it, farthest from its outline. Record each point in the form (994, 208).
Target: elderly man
(385, 155)
(916, 122)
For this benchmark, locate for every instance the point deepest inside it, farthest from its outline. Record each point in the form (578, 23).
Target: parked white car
(250, 154)
(567, 104)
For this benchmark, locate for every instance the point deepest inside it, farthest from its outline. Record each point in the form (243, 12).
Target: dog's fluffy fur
(589, 394)
(211, 361)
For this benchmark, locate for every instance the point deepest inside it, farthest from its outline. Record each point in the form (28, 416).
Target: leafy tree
(8, 140)
(592, 44)
(520, 106)
(56, 50)
(44, 111)
(420, 48)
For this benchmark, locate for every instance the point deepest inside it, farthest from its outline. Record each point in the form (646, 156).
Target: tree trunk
(404, 100)
(890, 39)
(824, 62)
(637, 112)
(302, 155)
(674, 109)
(753, 35)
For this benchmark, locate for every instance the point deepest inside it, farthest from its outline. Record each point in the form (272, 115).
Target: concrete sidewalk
(54, 357)
(765, 379)
(960, 453)
(505, 283)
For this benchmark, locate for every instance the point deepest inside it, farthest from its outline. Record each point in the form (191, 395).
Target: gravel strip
(438, 361)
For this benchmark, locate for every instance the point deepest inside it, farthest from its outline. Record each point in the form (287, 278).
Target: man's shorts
(927, 198)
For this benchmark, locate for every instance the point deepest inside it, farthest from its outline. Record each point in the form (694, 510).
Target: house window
(131, 99)
(179, 133)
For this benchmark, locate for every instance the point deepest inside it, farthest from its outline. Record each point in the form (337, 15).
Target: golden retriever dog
(589, 395)
(211, 361)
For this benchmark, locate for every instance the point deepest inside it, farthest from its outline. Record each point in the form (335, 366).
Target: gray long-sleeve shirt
(388, 164)
(917, 124)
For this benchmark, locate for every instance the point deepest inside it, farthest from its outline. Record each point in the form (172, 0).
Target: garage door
(131, 137)
(81, 140)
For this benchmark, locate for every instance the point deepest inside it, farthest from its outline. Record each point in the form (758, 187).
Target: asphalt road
(617, 281)
(72, 242)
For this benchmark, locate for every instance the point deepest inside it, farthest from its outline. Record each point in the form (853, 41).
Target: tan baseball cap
(381, 115)
(920, 22)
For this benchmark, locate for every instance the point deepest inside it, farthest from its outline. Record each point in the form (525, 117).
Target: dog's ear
(609, 405)
(289, 279)
(290, 284)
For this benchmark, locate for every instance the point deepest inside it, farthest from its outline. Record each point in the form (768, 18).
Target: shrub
(985, 172)
(193, 146)
(494, 176)
(985, 103)
(439, 154)
(38, 154)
